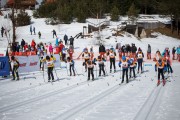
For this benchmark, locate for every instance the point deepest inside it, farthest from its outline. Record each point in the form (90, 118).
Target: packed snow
(75, 98)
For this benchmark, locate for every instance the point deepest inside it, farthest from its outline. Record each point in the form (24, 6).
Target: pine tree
(115, 14)
(132, 13)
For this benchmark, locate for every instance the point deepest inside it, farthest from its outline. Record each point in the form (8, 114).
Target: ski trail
(31, 100)
(69, 115)
(147, 110)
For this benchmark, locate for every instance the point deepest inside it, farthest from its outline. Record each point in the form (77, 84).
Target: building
(50, 1)
(23, 3)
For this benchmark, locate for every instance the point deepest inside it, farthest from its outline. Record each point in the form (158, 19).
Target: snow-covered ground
(75, 98)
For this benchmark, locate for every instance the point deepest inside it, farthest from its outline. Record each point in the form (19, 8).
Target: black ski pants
(125, 72)
(112, 62)
(132, 69)
(71, 68)
(90, 71)
(160, 72)
(101, 68)
(50, 73)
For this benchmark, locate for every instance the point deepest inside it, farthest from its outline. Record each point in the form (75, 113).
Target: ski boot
(164, 82)
(158, 82)
(17, 78)
(122, 81)
(110, 71)
(114, 70)
(127, 81)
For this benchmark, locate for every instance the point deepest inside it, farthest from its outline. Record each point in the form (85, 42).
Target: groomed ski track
(111, 93)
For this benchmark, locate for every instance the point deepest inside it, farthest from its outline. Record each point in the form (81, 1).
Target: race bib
(140, 56)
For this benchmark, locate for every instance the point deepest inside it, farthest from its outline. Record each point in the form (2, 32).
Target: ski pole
(43, 76)
(105, 70)
(120, 73)
(56, 73)
(96, 71)
(76, 71)
(67, 69)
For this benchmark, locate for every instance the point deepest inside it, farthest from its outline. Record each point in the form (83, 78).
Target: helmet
(123, 57)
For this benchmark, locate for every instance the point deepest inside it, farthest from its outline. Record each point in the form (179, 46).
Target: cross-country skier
(50, 65)
(90, 66)
(157, 56)
(86, 57)
(14, 66)
(112, 56)
(71, 66)
(125, 65)
(101, 61)
(140, 57)
(160, 65)
(132, 67)
(167, 64)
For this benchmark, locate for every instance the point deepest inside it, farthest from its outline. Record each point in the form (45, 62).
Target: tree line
(65, 11)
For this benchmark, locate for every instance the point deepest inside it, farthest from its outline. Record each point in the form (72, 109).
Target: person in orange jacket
(159, 67)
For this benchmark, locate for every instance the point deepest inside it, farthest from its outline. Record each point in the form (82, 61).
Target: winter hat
(68, 58)
(47, 57)
(123, 58)
(12, 58)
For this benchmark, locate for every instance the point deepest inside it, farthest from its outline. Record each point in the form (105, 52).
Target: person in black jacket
(23, 43)
(71, 41)
(2, 31)
(102, 50)
(54, 33)
(133, 50)
(173, 52)
(65, 39)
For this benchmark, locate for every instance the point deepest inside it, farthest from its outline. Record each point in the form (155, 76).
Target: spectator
(133, 50)
(2, 31)
(61, 46)
(54, 33)
(50, 49)
(57, 43)
(33, 44)
(102, 50)
(34, 30)
(173, 52)
(31, 29)
(71, 41)
(23, 43)
(149, 52)
(39, 33)
(65, 39)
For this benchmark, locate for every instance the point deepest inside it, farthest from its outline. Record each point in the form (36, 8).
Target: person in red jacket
(33, 44)
(26, 47)
(61, 46)
(70, 52)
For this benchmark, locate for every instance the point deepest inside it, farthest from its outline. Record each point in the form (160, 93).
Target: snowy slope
(75, 98)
